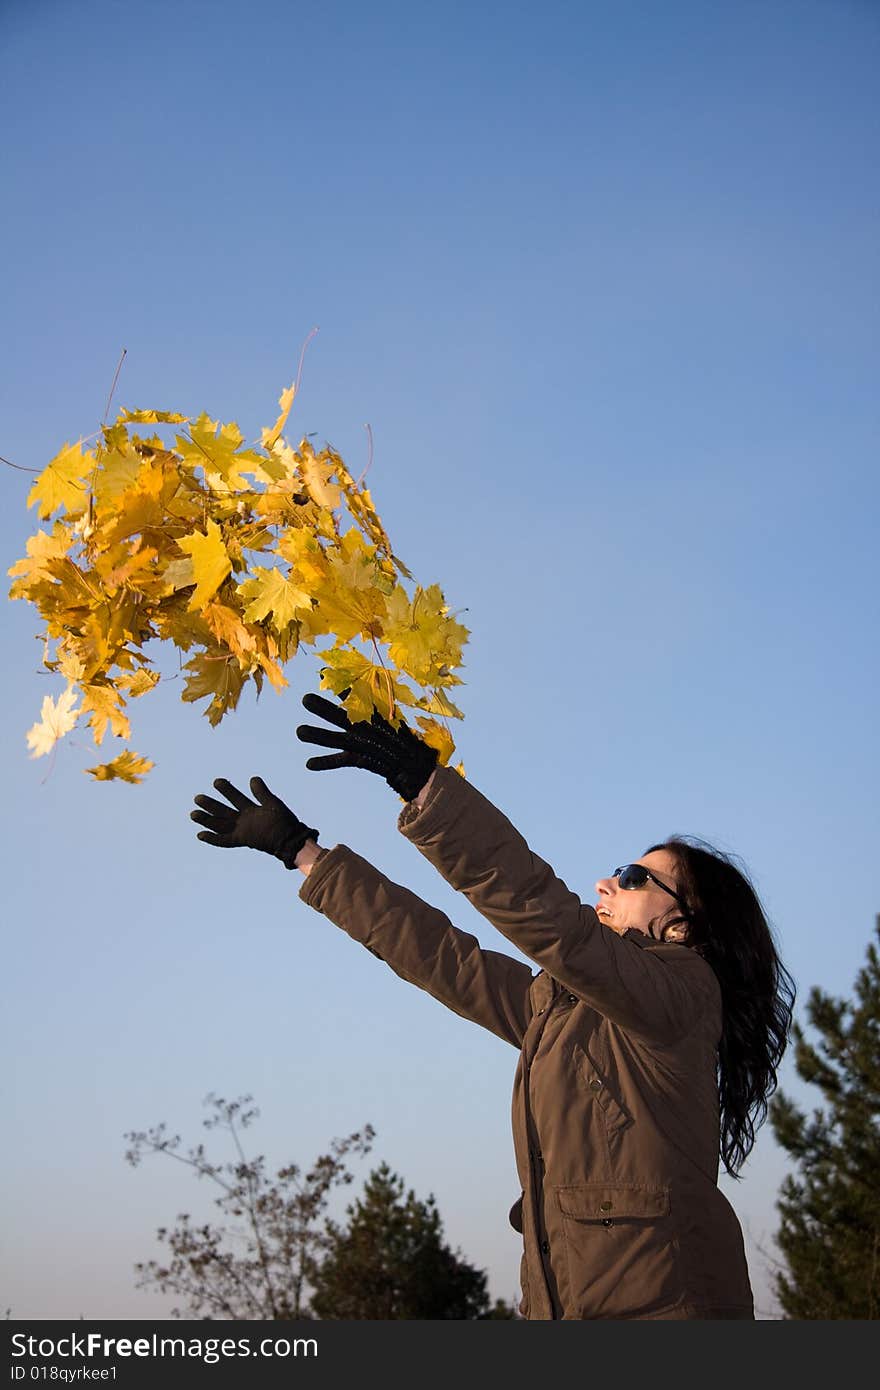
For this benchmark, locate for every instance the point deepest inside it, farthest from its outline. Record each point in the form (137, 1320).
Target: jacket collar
(647, 943)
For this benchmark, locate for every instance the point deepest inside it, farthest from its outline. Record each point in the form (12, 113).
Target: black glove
(400, 756)
(270, 825)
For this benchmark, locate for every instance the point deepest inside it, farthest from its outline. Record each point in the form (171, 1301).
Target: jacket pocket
(615, 1115)
(621, 1254)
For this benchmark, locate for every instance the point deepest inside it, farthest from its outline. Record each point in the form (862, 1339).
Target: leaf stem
(113, 387)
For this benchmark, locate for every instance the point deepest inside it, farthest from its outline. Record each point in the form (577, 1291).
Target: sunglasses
(636, 876)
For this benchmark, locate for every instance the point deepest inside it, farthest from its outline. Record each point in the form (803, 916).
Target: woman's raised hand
(400, 756)
(265, 824)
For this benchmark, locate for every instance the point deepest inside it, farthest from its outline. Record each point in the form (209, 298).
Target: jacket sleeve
(420, 943)
(657, 991)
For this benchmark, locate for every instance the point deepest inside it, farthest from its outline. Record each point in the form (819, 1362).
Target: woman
(649, 1038)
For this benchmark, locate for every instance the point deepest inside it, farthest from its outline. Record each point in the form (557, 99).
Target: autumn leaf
(438, 703)
(123, 566)
(71, 666)
(276, 676)
(63, 482)
(421, 636)
(217, 450)
(118, 470)
(138, 682)
(437, 737)
(41, 548)
(218, 674)
(179, 574)
(104, 706)
(227, 626)
(316, 473)
(140, 510)
(285, 400)
(372, 685)
(270, 591)
(152, 417)
(127, 767)
(56, 720)
(210, 562)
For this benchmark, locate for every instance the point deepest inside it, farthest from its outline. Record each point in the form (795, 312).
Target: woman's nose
(603, 885)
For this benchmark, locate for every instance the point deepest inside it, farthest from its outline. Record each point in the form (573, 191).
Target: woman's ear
(676, 929)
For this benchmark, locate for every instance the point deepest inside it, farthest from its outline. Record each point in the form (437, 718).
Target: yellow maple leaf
(63, 482)
(138, 682)
(316, 472)
(270, 591)
(276, 676)
(41, 547)
(140, 509)
(437, 737)
(285, 400)
(118, 470)
(56, 720)
(91, 643)
(71, 667)
(127, 767)
(214, 673)
(420, 635)
(438, 703)
(349, 612)
(76, 583)
(122, 565)
(217, 450)
(279, 505)
(211, 563)
(178, 574)
(152, 417)
(306, 555)
(104, 706)
(227, 627)
(372, 686)
(350, 598)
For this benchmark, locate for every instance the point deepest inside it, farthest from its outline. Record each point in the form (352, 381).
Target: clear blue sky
(603, 281)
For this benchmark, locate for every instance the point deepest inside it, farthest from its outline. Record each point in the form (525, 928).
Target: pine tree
(391, 1262)
(830, 1232)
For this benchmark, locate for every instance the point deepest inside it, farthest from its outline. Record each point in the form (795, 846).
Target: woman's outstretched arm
(417, 941)
(657, 990)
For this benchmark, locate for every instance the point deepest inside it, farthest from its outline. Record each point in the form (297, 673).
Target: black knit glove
(400, 756)
(265, 824)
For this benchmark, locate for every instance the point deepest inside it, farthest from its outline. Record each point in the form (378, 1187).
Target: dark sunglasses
(636, 876)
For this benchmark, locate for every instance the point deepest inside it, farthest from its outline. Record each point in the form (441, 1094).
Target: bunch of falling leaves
(239, 557)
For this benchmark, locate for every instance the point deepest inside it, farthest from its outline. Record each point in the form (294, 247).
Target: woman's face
(624, 908)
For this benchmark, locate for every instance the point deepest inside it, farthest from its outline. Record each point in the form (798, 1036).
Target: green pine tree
(830, 1232)
(390, 1261)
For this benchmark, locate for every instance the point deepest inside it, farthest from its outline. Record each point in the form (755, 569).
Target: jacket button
(595, 1084)
(607, 1221)
(572, 999)
(605, 1206)
(545, 1247)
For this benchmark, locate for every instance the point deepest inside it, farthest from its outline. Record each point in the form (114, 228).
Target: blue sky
(603, 282)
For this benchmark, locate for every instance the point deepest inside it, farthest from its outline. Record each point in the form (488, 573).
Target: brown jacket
(615, 1101)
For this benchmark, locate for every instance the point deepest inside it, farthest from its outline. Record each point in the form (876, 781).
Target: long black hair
(727, 926)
